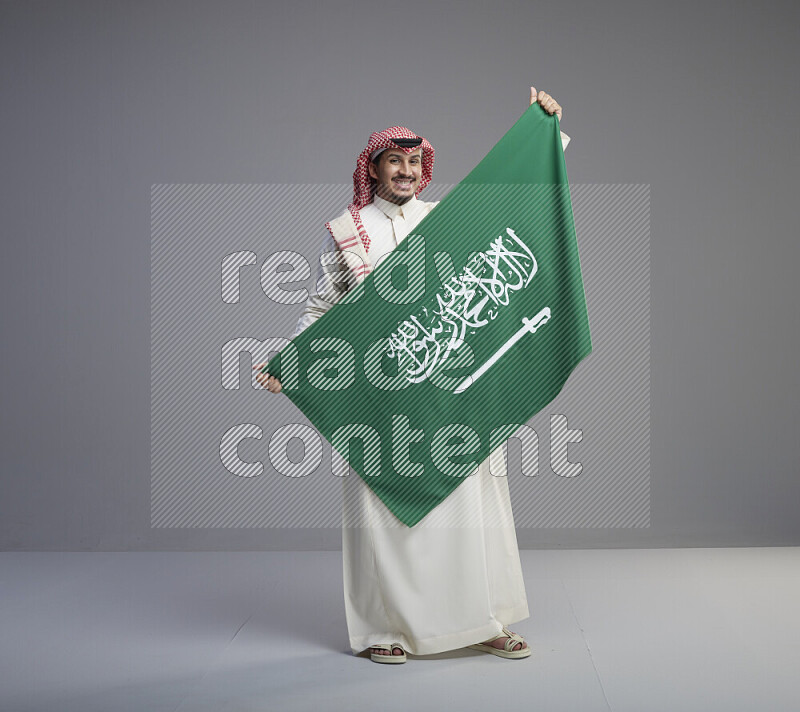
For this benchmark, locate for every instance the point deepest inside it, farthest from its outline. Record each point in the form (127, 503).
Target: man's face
(397, 174)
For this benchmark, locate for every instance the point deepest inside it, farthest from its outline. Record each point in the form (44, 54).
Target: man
(455, 578)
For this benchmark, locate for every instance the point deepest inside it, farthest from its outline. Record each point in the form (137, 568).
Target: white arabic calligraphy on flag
(507, 266)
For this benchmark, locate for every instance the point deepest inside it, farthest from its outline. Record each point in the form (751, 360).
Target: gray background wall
(101, 100)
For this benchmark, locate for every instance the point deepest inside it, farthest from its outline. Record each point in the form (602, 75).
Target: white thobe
(454, 578)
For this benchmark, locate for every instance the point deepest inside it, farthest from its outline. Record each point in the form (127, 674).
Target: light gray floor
(637, 630)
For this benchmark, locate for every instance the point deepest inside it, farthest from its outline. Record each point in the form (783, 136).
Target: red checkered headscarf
(364, 184)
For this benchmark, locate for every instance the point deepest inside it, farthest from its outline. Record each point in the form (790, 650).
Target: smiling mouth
(403, 183)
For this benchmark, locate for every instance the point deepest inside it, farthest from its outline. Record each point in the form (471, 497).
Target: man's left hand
(547, 102)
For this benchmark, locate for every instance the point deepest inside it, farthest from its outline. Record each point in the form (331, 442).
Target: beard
(387, 192)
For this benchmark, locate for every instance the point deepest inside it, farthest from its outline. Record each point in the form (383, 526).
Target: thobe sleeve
(333, 281)
(564, 141)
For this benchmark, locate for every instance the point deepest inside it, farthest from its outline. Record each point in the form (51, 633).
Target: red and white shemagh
(364, 184)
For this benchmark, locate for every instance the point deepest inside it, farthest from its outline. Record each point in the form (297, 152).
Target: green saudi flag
(460, 335)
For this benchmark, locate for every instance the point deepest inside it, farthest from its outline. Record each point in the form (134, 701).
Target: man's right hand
(272, 384)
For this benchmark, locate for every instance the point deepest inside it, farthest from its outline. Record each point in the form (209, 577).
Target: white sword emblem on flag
(529, 327)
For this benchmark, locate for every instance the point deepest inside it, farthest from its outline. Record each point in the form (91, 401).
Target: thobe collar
(392, 210)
